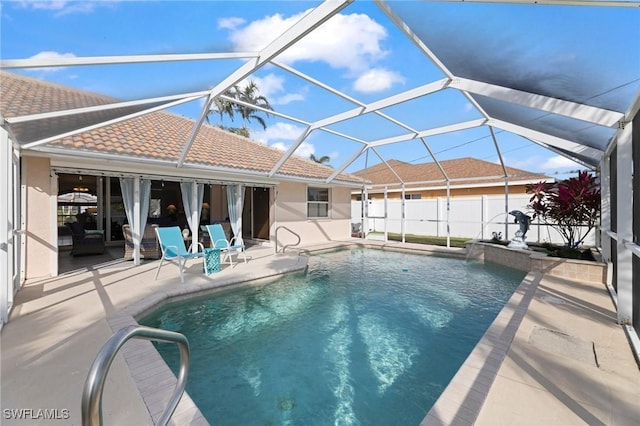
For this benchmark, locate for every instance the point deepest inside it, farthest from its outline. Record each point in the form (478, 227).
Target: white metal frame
(588, 156)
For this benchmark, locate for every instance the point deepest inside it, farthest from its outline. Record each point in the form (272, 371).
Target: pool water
(364, 337)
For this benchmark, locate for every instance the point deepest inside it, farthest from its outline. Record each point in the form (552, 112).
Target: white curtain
(145, 198)
(137, 223)
(127, 187)
(235, 201)
(192, 202)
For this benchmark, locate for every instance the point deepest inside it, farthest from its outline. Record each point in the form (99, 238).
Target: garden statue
(523, 220)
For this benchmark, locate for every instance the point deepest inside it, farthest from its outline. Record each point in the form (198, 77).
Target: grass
(422, 239)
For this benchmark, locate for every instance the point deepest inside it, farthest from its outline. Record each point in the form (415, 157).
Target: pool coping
(461, 401)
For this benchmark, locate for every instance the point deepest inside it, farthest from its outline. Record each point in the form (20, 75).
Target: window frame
(319, 202)
(413, 196)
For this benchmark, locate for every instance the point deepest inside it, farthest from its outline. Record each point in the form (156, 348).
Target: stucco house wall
(291, 213)
(40, 242)
(455, 192)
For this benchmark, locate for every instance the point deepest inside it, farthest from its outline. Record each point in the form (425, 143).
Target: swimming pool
(364, 337)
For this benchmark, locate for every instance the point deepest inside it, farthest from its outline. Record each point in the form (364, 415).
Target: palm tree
(248, 94)
(320, 160)
(222, 107)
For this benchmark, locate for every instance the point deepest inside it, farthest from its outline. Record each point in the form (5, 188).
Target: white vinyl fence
(468, 217)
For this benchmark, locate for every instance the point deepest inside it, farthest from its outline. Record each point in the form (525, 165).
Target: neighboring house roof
(156, 135)
(461, 172)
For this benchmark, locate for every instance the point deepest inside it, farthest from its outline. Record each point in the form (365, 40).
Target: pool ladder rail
(94, 385)
(286, 245)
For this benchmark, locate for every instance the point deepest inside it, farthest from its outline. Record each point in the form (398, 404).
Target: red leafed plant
(571, 206)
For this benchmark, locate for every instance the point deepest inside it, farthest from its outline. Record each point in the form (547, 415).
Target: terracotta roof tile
(461, 168)
(159, 135)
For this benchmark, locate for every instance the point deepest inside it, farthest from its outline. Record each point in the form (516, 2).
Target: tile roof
(477, 171)
(157, 135)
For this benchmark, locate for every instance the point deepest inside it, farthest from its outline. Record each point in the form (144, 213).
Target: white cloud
(271, 87)
(64, 7)
(45, 55)
(541, 164)
(559, 162)
(288, 98)
(377, 80)
(49, 5)
(280, 145)
(278, 130)
(304, 150)
(280, 133)
(230, 23)
(530, 164)
(268, 85)
(351, 42)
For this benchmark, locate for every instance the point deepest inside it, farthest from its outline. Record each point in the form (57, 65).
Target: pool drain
(286, 404)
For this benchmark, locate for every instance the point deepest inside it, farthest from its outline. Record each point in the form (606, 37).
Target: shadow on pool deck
(59, 324)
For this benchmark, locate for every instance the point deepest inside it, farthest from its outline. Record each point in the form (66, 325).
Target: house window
(317, 202)
(412, 196)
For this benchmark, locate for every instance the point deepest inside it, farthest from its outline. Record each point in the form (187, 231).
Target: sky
(359, 52)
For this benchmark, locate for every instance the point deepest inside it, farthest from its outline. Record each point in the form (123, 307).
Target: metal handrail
(286, 245)
(94, 385)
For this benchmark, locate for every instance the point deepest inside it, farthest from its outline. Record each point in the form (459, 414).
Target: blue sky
(359, 52)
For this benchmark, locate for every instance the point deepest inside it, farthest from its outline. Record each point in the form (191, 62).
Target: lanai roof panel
(573, 53)
(584, 133)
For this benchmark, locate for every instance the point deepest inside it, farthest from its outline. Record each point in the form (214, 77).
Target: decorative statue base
(523, 220)
(518, 242)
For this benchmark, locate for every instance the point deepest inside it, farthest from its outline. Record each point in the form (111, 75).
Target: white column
(483, 209)
(448, 211)
(363, 200)
(438, 215)
(506, 208)
(194, 217)
(605, 207)
(6, 230)
(23, 221)
(386, 236)
(100, 196)
(53, 208)
(15, 208)
(365, 222)
(136, 232)
(107, 206)
(403, 214)
(624, 225)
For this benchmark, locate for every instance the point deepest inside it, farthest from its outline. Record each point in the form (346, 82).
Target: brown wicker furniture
(149, 246)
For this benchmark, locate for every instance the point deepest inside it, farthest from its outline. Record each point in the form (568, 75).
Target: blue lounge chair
(219, 241)
(173, 248)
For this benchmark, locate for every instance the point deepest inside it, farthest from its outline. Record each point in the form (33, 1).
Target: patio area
(58, 325)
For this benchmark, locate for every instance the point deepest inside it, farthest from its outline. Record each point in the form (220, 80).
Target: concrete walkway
(58, 325)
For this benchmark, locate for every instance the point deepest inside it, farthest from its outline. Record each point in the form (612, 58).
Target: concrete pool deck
(58, 325)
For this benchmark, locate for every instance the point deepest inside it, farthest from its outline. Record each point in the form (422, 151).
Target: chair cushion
(76, 228)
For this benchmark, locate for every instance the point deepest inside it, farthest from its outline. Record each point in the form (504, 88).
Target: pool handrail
(94, 385)
(286, 245)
